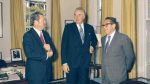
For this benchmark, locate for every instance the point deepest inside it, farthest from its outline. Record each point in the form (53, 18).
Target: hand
(66, 68)
(50, 53)
(47, 47)
(91, 49)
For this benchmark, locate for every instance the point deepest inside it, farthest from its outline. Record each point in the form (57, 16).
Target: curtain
(56, 37)
(17, 24)
(84, 5)
(107, 10)
(128, 25)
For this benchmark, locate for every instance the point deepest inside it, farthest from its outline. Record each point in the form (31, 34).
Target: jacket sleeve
(50, 42)
(129, 53)
(30, 51)
(93, 38)
(64, 45)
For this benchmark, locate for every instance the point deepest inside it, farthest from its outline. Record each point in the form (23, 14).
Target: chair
(94, 72)
(2, 63)
(95, 69)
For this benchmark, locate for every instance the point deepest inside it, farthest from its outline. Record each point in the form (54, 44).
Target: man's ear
(35, 21)
(114, 26)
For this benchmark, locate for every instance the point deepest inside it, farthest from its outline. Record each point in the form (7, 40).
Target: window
(99, 11)
(32, 6)
(148, 35)
(147, 9)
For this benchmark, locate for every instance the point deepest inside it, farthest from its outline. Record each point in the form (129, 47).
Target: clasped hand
(91, 50)
(48, 50)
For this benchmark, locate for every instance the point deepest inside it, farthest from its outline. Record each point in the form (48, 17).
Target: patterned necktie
(81, 33)
(107, 44)
(42, 38)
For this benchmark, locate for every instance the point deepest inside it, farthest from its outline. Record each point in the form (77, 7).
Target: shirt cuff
(65, 64)
(46, 57)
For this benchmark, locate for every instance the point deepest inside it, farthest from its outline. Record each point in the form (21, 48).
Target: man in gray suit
(117, 53)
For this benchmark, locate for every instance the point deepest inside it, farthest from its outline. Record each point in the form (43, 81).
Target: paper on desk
(13, 77)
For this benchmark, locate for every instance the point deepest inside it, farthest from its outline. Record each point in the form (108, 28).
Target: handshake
(48, 50)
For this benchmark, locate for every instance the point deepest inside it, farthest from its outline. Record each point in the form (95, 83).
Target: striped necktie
(42, 38)
(81, 33)
(107, 44)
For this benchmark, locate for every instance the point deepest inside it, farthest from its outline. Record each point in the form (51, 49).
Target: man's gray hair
(81, 9)
(34, 16)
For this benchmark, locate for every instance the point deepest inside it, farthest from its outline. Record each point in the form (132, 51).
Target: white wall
(67, 10)
(5, 42)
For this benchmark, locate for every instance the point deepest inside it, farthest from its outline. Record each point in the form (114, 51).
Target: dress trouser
(78, 76)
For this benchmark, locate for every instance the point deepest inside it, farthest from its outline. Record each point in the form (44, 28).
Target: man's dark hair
(34, 16)
(114, 21)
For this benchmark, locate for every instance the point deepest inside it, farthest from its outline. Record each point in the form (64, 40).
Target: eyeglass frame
(107, 24)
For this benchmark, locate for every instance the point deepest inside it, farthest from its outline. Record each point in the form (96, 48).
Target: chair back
(2, 63)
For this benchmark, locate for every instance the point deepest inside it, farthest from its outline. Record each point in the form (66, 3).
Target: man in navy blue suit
(78, 43)
(39, 50)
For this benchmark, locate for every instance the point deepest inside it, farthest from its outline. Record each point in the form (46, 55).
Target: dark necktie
(42, 38)
(81, 33)
(107, 44)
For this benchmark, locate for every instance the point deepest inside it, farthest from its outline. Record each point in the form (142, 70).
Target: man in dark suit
(117, 53)
(39, 50)
(78, 43)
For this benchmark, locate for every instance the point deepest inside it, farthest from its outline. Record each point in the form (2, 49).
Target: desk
(13, 74)
(15, 82)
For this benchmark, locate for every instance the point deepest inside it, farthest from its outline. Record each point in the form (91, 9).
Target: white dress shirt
(111, 37)
(78, 26)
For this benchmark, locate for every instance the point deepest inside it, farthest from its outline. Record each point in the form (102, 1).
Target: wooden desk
(15, 82)
(15, 75)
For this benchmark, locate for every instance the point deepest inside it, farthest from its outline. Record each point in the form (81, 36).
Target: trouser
(78, 76)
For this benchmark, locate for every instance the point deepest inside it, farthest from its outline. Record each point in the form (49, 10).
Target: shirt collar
(38, 31)
(111, 37)
(82, 25)
(112, 34)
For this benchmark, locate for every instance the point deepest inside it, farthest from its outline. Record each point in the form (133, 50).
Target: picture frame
(1, 55)
(16, 54)
(1, 20)
(68, 21)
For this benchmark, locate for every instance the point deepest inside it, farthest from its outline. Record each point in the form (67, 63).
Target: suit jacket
(37, 64)
(119, 57)
(73, 51)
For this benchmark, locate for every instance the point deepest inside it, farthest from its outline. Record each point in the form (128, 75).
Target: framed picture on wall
(16, 54)
(1, 20)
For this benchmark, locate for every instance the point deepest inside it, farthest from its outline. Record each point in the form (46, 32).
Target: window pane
(32, 6)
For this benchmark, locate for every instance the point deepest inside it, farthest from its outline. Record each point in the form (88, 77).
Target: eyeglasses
(107, 24)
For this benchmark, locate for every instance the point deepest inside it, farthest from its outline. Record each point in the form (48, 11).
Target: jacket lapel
(86, 33)
(36, 36)
(76, 32)
(114, 39)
